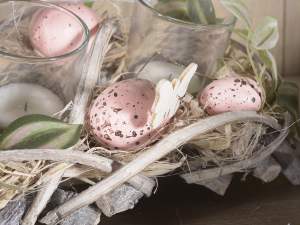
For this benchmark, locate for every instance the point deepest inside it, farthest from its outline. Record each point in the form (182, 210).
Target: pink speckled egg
(231, 94)
(54, 32)
(120, 117)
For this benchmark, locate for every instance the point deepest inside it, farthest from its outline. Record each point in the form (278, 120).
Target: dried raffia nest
(207, 146)
(227, 144)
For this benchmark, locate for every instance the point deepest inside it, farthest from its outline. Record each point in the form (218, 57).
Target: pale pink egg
(231, 94)
(120, 117)
(54, 32)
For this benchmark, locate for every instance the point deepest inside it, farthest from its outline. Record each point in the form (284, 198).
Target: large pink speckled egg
(54, 32)
(231, 94)
(120, 117)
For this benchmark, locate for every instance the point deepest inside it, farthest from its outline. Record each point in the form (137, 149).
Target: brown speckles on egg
(118, 133)
(116, 110)
(127, 114)
(107, 137)
(134, 134)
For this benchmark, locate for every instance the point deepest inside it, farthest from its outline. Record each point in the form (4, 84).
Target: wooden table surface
(247, 202)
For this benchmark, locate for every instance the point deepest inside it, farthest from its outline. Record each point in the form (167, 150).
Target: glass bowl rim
(232, 19)
(30, 59)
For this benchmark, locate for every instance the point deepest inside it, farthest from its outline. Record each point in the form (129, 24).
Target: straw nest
(229, 144)
(225, 145)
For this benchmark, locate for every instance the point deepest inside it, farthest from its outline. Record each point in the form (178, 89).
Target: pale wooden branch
(86, 84)
(42, 198)
(161, 149)
(67, 156)
(139, 182)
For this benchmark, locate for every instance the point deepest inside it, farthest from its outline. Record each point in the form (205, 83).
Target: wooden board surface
(292, 38)
(246, 203)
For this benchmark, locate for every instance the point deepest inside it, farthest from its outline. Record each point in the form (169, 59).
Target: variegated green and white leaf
(239, 9)
(39, 131)
(266, 35)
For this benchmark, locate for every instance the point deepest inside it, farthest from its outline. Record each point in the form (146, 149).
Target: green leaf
(270, 61)
(39, 131)
(288, 98)
(175, 9)
(266, 35)
(239, 9)
(242, 33)
(201, 11)
(89, 4)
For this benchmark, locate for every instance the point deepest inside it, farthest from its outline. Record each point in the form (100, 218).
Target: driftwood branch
(67, 156)
(139, 182)
(87, 82)
(164, 147)
(42, 198)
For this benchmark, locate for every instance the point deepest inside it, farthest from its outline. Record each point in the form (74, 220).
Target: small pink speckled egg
(231, 94)
(120, 117)
(54, 32)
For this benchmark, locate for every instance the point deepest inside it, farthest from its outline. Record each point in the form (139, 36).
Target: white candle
(158, 70)
(20, 99)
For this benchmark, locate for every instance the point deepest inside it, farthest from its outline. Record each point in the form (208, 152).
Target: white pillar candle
(20, 99)
(158, 70)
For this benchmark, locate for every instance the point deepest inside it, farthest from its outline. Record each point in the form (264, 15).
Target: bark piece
(119, 200)
(84, 216)
(218, 185)
(13, 212)
(268, 170)
(289, 159)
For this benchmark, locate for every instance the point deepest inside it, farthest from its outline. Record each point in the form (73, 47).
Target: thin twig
(67, 156)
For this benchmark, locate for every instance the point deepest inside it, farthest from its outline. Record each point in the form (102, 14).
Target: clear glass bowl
(154, 34)
(20, 63)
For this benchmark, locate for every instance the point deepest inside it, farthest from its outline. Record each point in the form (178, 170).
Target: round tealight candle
(158, 70)
(20, 99)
